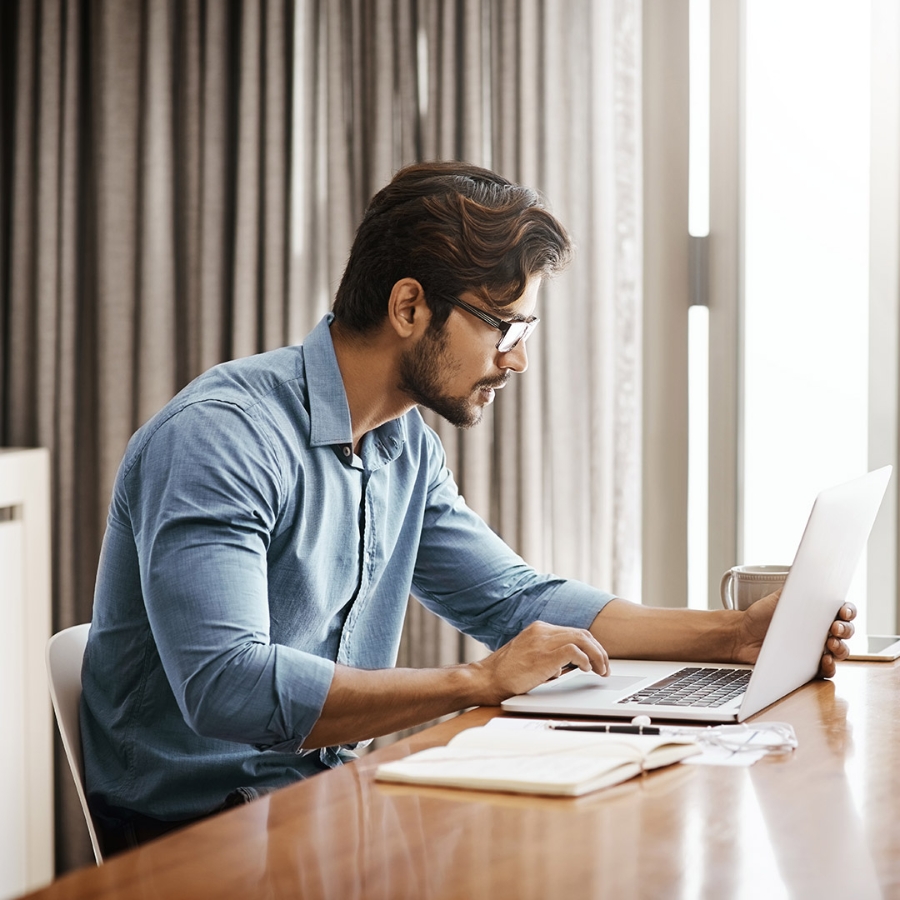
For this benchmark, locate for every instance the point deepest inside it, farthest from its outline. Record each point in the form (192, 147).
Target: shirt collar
(329, 412)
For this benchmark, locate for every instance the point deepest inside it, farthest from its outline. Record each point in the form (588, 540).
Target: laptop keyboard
(693, 686)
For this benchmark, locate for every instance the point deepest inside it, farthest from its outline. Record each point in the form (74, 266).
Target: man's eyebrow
(518, 317)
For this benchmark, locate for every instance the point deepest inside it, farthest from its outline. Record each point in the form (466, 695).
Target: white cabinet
(26, 717)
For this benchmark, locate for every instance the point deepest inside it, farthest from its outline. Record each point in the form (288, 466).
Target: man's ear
(408, 312)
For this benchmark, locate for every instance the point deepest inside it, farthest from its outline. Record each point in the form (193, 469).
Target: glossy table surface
(822, 821)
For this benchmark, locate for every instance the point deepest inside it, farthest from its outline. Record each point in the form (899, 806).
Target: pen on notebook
(608, 729)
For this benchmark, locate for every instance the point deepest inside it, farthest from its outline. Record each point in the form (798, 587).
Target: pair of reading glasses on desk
(511, 333)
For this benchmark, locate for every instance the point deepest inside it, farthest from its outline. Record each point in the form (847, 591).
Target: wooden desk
(822, 822)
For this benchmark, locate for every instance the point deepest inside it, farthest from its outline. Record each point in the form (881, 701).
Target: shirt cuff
(302, 682)
(574, 604)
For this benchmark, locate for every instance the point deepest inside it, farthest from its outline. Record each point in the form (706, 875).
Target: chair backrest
(65, 653)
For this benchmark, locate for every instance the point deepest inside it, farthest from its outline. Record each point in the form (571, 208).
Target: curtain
(180, 181)
(547, 94)
(144, 224)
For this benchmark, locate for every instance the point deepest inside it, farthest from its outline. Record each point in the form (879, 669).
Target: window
(796, 355)
(806, 265)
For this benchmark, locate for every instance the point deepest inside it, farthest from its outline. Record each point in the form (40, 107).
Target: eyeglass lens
(517, 331)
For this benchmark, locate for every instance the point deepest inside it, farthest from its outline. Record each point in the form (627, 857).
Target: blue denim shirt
(247, 551)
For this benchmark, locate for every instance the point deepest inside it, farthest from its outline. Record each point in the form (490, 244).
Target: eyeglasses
(511, 332)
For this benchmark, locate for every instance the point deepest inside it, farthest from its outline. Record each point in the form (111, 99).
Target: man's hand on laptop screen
(756, 622)
(842, 629)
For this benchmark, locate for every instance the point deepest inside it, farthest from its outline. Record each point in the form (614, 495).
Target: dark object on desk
(609, 729)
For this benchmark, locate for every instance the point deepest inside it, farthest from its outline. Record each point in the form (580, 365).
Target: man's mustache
(493, 383)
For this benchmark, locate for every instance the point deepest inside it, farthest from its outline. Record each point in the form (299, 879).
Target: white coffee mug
(743, 585)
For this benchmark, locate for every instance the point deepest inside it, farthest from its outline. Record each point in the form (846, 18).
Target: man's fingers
(599, 658)
(577, 659)
(588, 654)
(837, 648)
(568, 646)
(847, 612)
(841, 629)
(827, 668)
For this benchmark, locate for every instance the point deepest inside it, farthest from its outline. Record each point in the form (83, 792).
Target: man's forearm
(628, 630)
(365, 703)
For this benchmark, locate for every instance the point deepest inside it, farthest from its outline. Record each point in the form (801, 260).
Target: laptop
(832, 544)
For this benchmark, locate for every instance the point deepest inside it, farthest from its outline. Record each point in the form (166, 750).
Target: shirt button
(346, 451)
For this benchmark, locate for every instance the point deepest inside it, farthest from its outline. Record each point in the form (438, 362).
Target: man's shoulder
(245, 382)
(260, 388)
(249, 379)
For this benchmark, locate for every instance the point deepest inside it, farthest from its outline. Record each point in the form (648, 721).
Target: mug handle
(725, 590)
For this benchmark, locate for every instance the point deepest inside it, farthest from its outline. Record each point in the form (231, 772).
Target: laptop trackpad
(587, 681)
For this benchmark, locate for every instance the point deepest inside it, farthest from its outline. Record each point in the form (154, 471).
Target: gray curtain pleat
(145, 237)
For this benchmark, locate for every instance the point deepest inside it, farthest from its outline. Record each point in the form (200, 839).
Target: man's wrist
(734, 622)
(718, 635)
(472, 685)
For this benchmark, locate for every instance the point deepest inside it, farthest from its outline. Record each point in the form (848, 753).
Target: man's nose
(515, 359)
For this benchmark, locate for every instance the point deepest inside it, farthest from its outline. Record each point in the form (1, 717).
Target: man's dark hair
(455, 228)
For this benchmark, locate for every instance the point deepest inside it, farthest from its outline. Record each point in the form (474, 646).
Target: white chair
(65, 653)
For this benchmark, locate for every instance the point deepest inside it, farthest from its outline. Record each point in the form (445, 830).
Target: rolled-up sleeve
(202, 516)
(469, 576)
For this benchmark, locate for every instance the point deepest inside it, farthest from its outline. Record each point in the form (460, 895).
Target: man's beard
(421, 371)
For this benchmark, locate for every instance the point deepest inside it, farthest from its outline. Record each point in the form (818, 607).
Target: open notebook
(820, 576)
(537, 762)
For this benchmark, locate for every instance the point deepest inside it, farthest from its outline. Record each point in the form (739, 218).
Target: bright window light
(698, 135)
(698, 318)
(806, 264)
(698, 457)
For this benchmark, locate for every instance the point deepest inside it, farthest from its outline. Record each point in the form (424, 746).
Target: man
(268, 525)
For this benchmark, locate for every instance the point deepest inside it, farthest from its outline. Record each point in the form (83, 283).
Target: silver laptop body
(833, 541)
